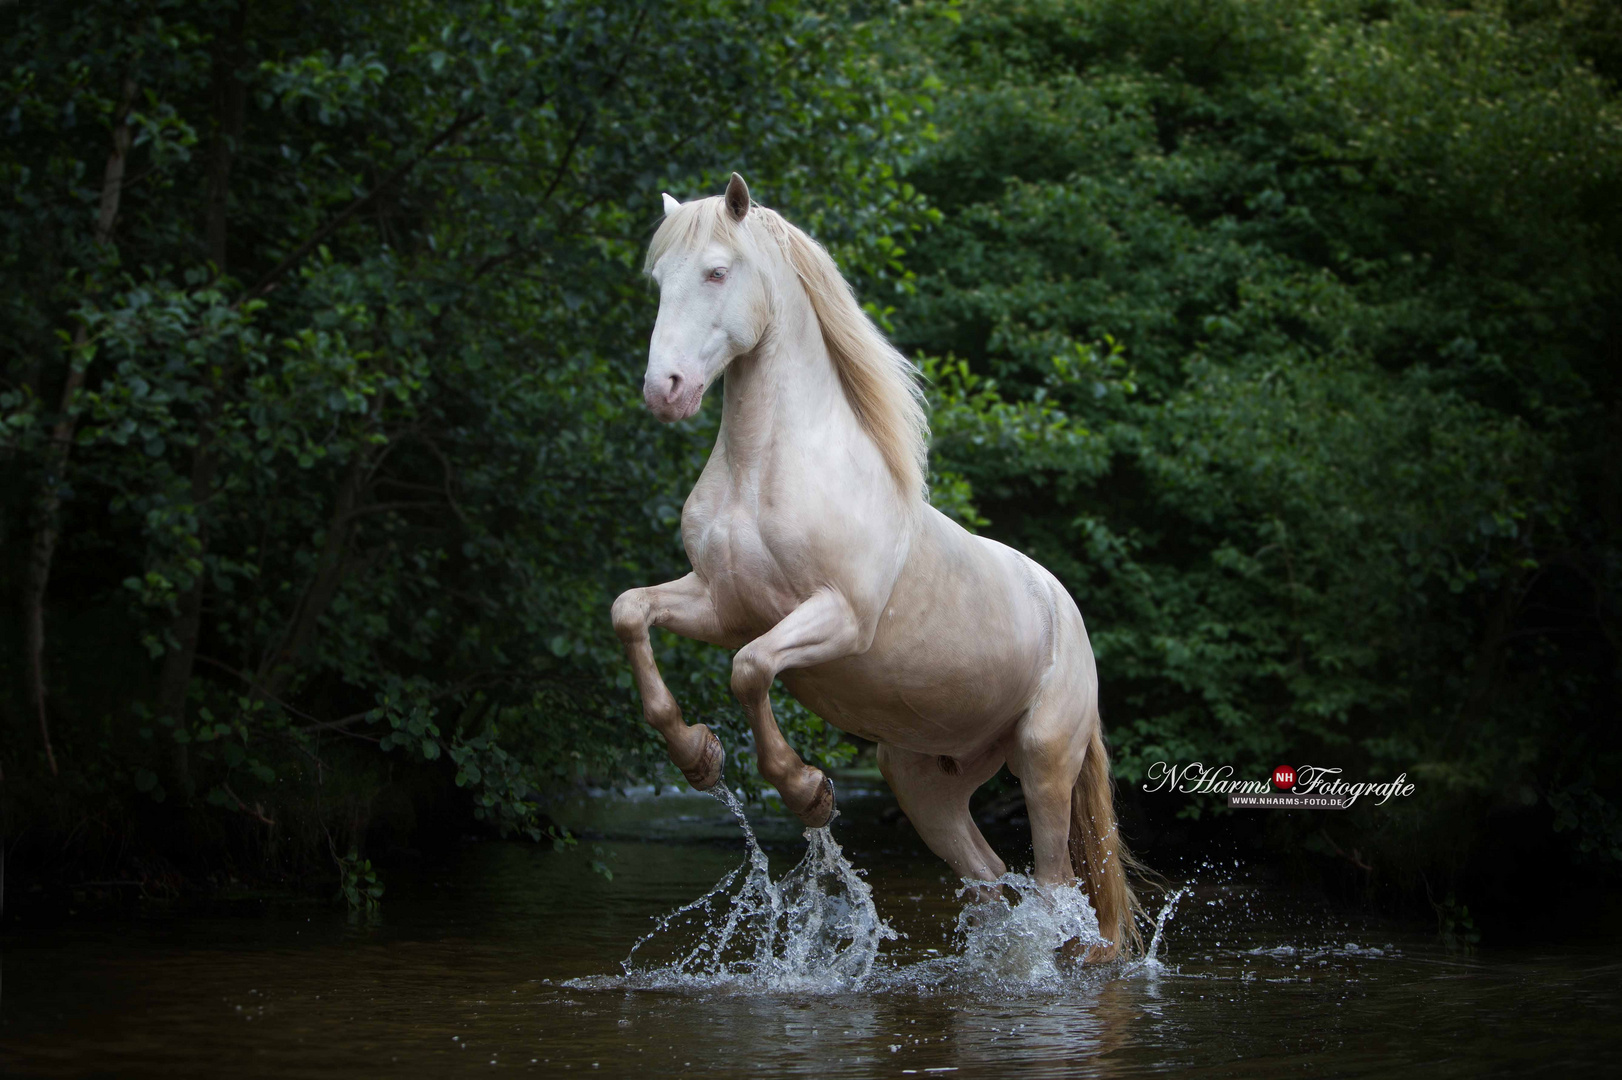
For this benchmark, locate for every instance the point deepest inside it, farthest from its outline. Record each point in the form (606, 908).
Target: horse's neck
(785, 397)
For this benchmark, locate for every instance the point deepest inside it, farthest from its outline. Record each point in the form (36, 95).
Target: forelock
(691, 227)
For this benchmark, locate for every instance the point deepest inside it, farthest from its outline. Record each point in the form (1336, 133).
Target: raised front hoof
(821, 809)
(707, 772)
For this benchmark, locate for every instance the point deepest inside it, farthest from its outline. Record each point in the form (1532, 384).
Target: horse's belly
(953, 716)
(949, 670)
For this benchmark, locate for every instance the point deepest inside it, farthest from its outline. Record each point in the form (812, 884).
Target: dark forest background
(1287, 334)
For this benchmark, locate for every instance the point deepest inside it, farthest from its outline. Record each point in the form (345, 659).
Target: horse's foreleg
(683, 607)
(823, 628)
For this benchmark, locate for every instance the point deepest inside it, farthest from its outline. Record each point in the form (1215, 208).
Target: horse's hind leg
(934, 794)
(1055, 745)
(683, 607)
(1046, 753)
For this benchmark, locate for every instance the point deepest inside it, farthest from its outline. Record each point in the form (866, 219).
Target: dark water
(465, 972)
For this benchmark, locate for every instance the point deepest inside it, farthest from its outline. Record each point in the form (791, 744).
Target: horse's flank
(880, 384)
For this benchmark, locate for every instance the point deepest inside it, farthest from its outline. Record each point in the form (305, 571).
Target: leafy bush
(1286, 335)
(322, 330)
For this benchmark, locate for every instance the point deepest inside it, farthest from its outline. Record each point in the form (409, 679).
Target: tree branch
(462, 122)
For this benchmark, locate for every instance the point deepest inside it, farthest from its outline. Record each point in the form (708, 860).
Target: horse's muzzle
(672, 397)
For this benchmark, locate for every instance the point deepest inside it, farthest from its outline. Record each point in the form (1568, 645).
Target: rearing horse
(818, 558)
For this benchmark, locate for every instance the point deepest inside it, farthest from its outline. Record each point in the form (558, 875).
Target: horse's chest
(749, 583)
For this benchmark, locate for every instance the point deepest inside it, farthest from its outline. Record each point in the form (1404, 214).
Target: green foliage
(1581, 809)
(1336, 495)
(359, 886)
(359, 461)
(1455, 926)
(1285, 334)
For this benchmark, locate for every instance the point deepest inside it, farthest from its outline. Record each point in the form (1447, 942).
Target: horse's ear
(671, 205)
(737, 197)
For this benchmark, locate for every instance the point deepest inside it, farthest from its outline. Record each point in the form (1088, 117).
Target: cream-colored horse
(818, 558)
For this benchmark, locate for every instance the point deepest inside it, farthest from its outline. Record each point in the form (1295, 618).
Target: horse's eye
(718, 274)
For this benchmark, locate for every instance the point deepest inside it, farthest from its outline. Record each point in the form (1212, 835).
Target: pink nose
(671, 397)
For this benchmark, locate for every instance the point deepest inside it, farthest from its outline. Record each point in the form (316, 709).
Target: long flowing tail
(1100, 858)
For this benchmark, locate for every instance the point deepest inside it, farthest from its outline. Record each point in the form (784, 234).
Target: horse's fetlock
(660, 710)
(782, 769)
(663, 715)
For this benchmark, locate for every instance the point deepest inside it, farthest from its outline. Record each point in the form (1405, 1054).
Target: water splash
(1031, 939)
(814, 929)
(817, 930)
(1151, 955)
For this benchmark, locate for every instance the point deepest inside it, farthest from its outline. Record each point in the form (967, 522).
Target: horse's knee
(630, 614)
(751, 676)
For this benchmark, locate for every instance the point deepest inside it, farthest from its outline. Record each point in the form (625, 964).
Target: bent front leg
(823, 628)
(683, 607)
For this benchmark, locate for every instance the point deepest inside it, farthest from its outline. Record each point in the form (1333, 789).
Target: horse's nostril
(674, 390)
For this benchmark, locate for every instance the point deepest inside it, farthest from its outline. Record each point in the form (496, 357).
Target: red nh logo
(1284, 778)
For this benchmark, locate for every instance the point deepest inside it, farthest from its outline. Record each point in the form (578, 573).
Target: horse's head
(711, 295)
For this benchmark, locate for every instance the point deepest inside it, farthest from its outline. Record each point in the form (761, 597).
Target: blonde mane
(880, 384)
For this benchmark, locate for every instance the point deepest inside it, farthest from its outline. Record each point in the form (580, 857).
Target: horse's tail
(1100, 858)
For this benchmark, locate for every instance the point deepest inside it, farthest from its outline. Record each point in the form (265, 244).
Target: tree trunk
(175, 680)
(48, 523)
(230, 102)
(282, 661)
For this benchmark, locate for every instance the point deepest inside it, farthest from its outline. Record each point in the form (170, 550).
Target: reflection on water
(511, 960)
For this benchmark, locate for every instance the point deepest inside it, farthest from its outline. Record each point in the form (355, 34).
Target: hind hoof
(1078, 955)
(707, 772)
(821, 810)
